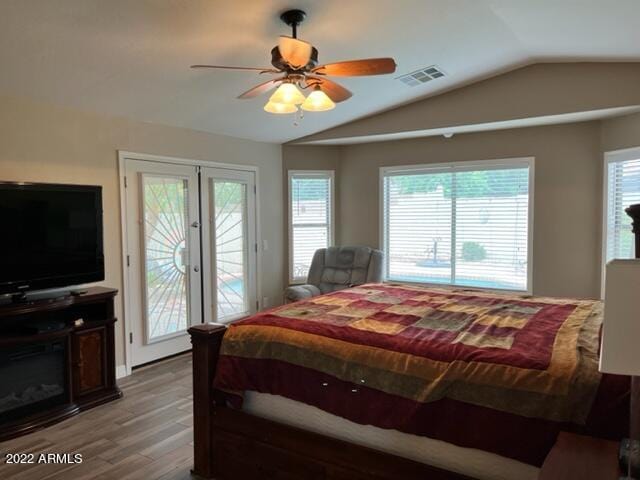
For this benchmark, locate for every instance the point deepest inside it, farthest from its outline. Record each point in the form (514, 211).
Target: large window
(464, 223)
(622, 183)
(310, 218)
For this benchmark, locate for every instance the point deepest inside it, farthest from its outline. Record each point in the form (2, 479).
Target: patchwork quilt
(435, 362)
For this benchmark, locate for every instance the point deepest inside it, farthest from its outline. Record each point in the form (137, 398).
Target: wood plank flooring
(148, 434)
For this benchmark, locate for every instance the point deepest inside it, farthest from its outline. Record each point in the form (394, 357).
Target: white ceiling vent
(423, 75)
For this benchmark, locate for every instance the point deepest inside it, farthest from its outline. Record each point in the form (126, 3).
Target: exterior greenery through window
(310, 218)
(460, 224)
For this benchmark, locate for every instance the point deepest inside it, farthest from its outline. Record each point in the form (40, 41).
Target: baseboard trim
(121, 371)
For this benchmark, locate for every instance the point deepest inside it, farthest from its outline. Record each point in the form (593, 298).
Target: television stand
(58, 359)
(77, 293)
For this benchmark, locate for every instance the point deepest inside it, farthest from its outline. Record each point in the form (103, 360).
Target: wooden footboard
(232, 444)
(206, 340)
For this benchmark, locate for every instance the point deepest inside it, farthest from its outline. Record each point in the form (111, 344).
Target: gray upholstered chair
(336, 268)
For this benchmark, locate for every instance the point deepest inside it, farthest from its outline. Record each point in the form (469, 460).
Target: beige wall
(621, 132)
(567, 197)
(44, 143)
(567, 193)
(533, 91)
(568, 168)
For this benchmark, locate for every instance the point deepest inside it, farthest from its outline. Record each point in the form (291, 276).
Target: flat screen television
(51, 236)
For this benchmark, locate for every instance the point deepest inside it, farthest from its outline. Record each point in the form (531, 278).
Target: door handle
(195, 224)
(196, 269)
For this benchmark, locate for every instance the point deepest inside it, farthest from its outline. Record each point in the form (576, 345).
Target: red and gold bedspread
(406, 357)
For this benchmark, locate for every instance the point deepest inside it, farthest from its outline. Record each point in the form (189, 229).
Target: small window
(310, 218)
(622, 183)
(463, 223)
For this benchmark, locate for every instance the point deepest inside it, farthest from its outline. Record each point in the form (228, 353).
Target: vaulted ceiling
(131, 57)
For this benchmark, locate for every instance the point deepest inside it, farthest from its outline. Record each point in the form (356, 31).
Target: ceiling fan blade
(334, 91)
(262, 88)
(294, 51)
(354, 68)
(223, 67)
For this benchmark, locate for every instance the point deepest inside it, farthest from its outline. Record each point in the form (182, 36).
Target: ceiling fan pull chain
(298, 116)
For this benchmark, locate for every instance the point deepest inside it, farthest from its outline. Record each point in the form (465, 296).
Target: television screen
(51, 236)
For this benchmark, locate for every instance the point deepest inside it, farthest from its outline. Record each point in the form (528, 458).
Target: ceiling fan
(296, 61)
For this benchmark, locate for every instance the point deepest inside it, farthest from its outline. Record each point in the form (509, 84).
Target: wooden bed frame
(232, 444)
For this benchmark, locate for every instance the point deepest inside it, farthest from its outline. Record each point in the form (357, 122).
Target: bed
(397, 381)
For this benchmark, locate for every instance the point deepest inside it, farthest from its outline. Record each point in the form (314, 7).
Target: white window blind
(459, 224)
(623, 189)
(311, 218)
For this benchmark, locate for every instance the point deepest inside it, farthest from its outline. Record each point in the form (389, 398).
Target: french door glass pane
(230, 248)
(165, 202)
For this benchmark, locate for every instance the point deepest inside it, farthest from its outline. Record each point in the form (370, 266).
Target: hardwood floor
(148, 434)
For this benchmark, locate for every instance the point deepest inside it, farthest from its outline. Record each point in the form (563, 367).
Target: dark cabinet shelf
(84, 336)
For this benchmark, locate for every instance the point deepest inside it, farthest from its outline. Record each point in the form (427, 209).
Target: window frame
(613, 156)
(291, 174)
(460, 166)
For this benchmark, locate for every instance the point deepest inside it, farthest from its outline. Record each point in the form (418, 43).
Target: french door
(191, 252)
(229, 244)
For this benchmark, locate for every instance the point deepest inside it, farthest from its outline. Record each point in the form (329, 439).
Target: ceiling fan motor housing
(278, 62)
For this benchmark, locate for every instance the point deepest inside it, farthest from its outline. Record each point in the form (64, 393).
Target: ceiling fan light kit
(318, 101)
(288, 94)
(297, 62)
(280, 108)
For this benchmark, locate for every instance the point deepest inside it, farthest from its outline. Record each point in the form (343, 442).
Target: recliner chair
(337, 268)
